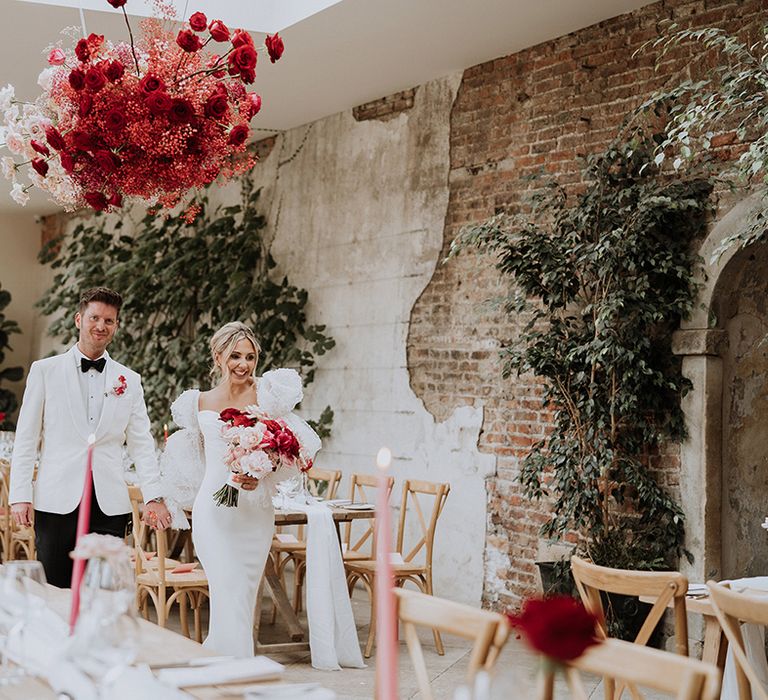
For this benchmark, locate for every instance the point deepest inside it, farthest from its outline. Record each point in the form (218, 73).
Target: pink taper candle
(386, 618)
(83, 520)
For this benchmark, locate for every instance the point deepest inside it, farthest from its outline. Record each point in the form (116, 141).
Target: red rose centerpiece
(148, 121)
(559, 628)
(256, 446)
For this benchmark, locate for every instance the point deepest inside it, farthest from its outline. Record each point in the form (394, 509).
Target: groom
(68, 398)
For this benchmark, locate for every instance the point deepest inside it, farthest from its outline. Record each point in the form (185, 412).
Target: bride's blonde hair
(223, 344)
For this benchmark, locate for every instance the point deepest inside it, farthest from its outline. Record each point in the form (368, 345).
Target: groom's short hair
(103, 295)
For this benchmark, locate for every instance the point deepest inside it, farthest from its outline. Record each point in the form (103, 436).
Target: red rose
(248, 75)
(94, 79)
(106, 160)
(40, 166)
(158, 103)
(96, 200)
(219, 30)
(115, 119)
(77, 79)
(189, 41)
(275, 46)
(558, 627)
(82, 141)
(216, 106)
(54, 138)
(198, 22)
(151, 83)
(41, 148)
(236, 418)
(273, 426)
(95, 42)
(114, 71)
(287, 444)
(241, 38)
(181, 111)
(115, 200)
(117, 4)
(239, 135)
(82, 51)
(67, 162)
(2, 416)
(252, 105)
(86, 102)
(243, 58)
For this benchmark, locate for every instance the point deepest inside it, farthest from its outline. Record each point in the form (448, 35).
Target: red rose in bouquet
(176, 115)
(558, 627)
(236, 418)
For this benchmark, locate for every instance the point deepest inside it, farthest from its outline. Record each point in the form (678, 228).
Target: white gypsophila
(37, 179)
(18, 194)
(6, 97)
(8, 167)
(45, 79)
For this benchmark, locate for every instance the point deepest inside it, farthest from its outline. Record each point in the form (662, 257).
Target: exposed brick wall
(542, 108)
(385, 108)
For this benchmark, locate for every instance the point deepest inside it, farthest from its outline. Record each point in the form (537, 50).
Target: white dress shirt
(92, 389)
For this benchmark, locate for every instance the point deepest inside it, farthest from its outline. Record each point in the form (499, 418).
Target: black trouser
(55, 535)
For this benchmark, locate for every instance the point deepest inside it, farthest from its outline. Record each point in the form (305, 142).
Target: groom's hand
(22, 514)
(156, 515)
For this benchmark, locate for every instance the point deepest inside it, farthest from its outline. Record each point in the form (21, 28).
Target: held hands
(246, 482)
(156, 515)
(22, 514)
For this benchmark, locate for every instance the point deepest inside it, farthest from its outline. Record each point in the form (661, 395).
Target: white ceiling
(349, 53)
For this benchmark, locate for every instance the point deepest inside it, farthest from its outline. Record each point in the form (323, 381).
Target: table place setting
(257, 668)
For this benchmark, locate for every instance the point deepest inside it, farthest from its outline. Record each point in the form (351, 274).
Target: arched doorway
(724, 462)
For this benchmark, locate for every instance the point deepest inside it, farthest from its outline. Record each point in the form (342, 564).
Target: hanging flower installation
(149, 120)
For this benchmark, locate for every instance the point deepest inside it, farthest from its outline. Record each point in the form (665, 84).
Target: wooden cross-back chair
(731, 608)
(358, 541)
(638, 667)
(410, 568)
(14, 539)
(667, 587)
(320, 481)
(156, 581)
(488, 630)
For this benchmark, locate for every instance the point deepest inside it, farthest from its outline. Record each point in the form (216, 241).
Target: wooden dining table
(157, 647)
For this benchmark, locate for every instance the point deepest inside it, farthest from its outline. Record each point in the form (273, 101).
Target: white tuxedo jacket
(53, 419)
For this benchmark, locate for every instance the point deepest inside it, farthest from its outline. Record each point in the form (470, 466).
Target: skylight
(267, 16)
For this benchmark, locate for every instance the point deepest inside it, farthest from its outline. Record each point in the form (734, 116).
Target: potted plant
(603, 279)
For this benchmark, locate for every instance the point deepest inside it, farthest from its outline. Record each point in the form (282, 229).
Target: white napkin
(252, 669)
(292, 691)
(333, 639)
(138, 682)
(754, 644)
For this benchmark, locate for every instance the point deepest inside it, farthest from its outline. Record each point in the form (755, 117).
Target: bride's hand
(247, 482)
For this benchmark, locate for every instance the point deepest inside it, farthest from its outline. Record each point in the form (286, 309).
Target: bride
(232, 543)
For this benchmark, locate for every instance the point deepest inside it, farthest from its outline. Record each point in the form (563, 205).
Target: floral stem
(133, 48)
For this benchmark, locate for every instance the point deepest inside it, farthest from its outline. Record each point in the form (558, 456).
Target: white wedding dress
(231, 543)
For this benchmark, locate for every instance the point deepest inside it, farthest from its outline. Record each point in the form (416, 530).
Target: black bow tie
(98, 365)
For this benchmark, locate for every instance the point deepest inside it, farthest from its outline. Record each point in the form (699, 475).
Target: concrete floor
(514, 677)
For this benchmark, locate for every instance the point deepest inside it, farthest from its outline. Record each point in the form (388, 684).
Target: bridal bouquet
(256, 446)
(151, 119)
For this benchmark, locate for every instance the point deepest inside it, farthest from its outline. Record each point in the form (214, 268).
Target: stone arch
(709, 361)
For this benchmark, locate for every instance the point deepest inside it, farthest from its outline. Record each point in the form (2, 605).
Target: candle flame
(91, 439)
(384, 458)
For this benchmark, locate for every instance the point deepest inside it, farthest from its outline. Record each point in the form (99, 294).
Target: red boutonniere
(120, 386)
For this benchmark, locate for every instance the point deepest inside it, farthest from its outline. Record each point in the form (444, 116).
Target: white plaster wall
(25, 279)
(357, 218)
